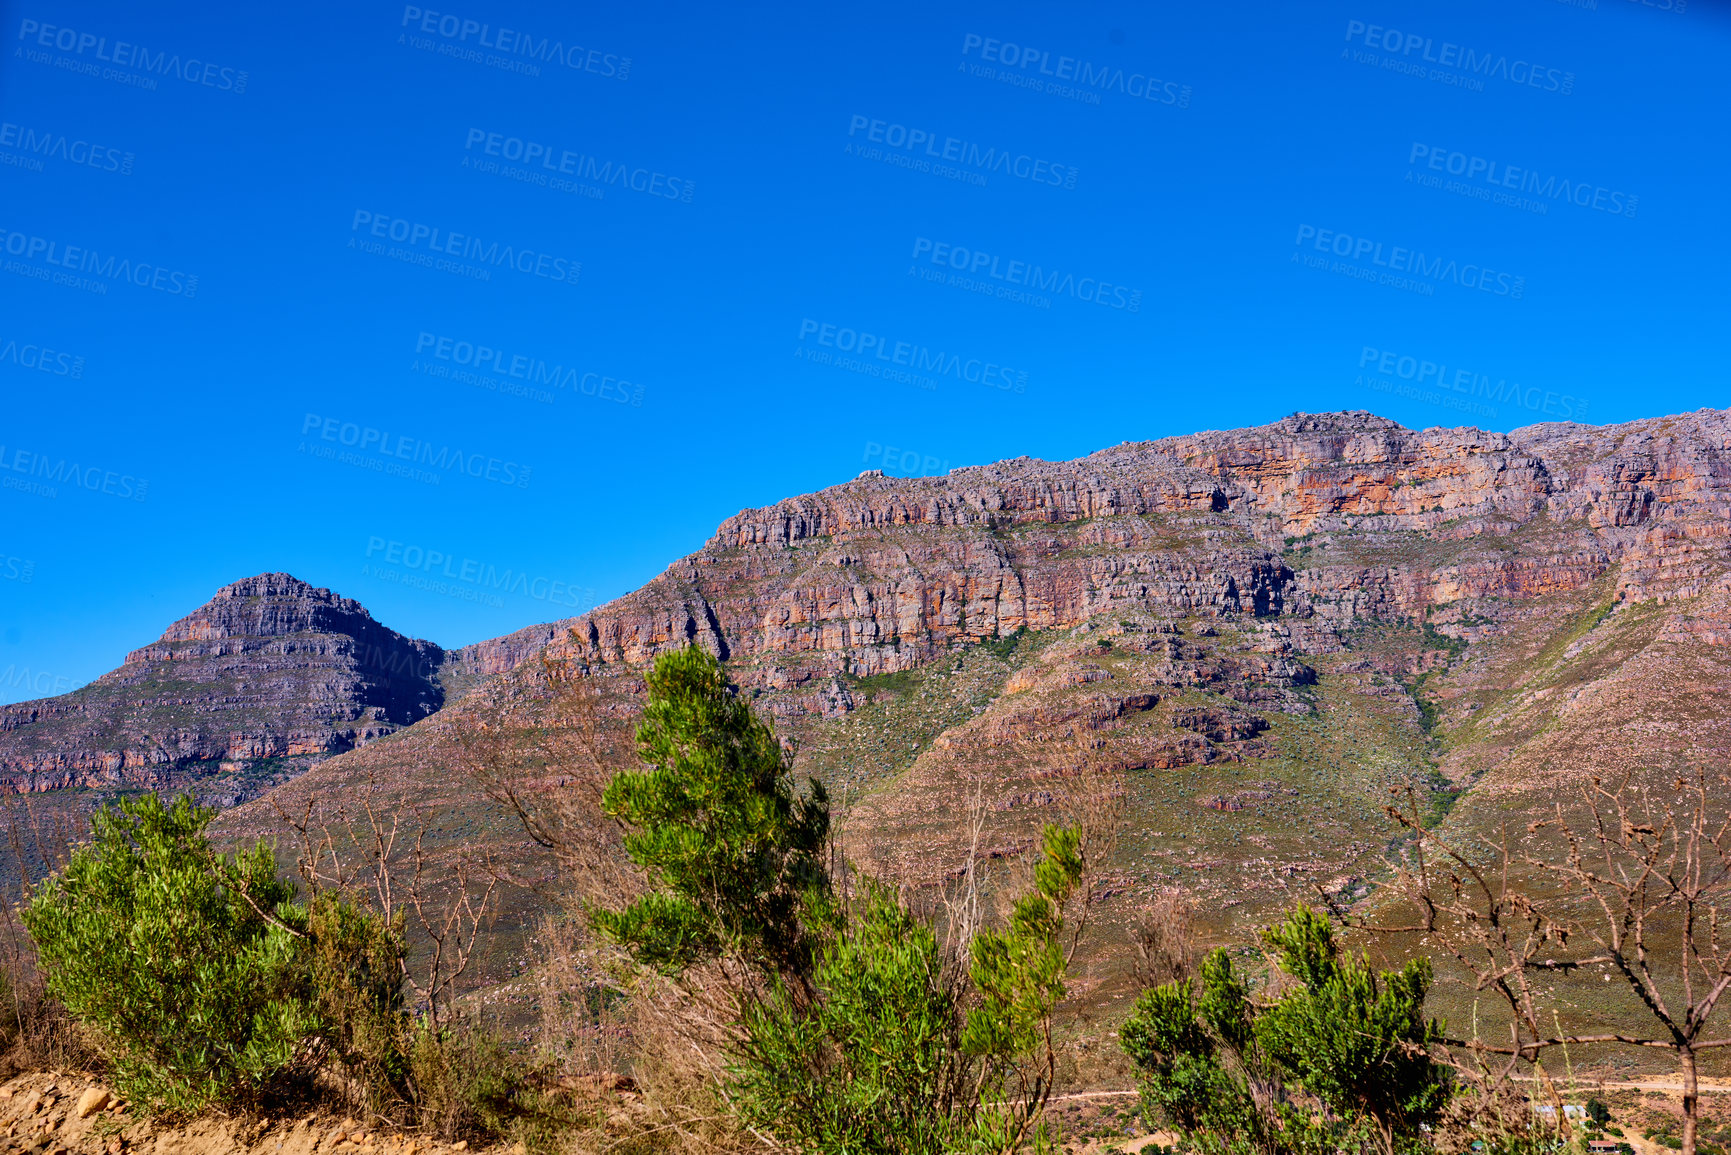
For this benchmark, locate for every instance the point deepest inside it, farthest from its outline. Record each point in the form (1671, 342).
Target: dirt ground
(1108, 1122)
(61, 1113)
(57, 1113)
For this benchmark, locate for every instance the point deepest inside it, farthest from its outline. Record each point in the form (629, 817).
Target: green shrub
(731, 853)
(1201, 1068)
(354, 960)
(1002, 646)
(186, 964)
(893, 1053)
(859, 1033)
(1354, 1037)
(864, 1069)
(1224, 1067)
(201, 979)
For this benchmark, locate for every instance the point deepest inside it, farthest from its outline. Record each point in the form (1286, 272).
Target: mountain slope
(1260, 632)
(1264, 632)
(268, 675)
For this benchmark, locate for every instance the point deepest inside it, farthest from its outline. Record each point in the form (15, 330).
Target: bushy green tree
(1204, 1073)
(1354, 1037)
(730, 851)
(859, 1032)
(187, 964)
(871, 1066)
(1217, 1065)
(895, 1054)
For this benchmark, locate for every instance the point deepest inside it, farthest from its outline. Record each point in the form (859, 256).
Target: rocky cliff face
(1183, 592)
(1315, 525)
(270, 673)
(881, 574)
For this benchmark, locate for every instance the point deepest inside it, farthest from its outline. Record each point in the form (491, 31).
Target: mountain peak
(269, 605)
(270, 673)
(280, 585)
(1342, 421)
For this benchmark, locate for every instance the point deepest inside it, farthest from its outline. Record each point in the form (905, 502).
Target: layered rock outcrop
(1309, 525)
(1328, 518)
(271, 668)
(1259, 637)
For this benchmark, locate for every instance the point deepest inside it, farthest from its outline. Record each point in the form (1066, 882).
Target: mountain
(268, 676)
(1262, 632)
(1267, 633)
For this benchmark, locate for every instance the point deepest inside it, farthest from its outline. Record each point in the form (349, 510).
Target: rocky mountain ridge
(879, 574)
(1293, 537)
(270, 672)
(1260, 637)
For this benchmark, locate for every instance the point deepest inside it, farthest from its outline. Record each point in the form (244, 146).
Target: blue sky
(404, 299)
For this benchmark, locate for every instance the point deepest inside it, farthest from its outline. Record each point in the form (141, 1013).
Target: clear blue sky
(719, 255)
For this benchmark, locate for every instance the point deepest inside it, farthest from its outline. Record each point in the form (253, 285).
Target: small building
(1571, 1111)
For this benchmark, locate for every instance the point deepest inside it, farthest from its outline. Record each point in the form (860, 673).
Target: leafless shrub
(1088, 791)
(543, 744)
(1164, 935)
(650, 1049)
(584, 1028)
(1620, 883)
(446, 904)
(39, 843)
(1499, 1116)
(36, 1031)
